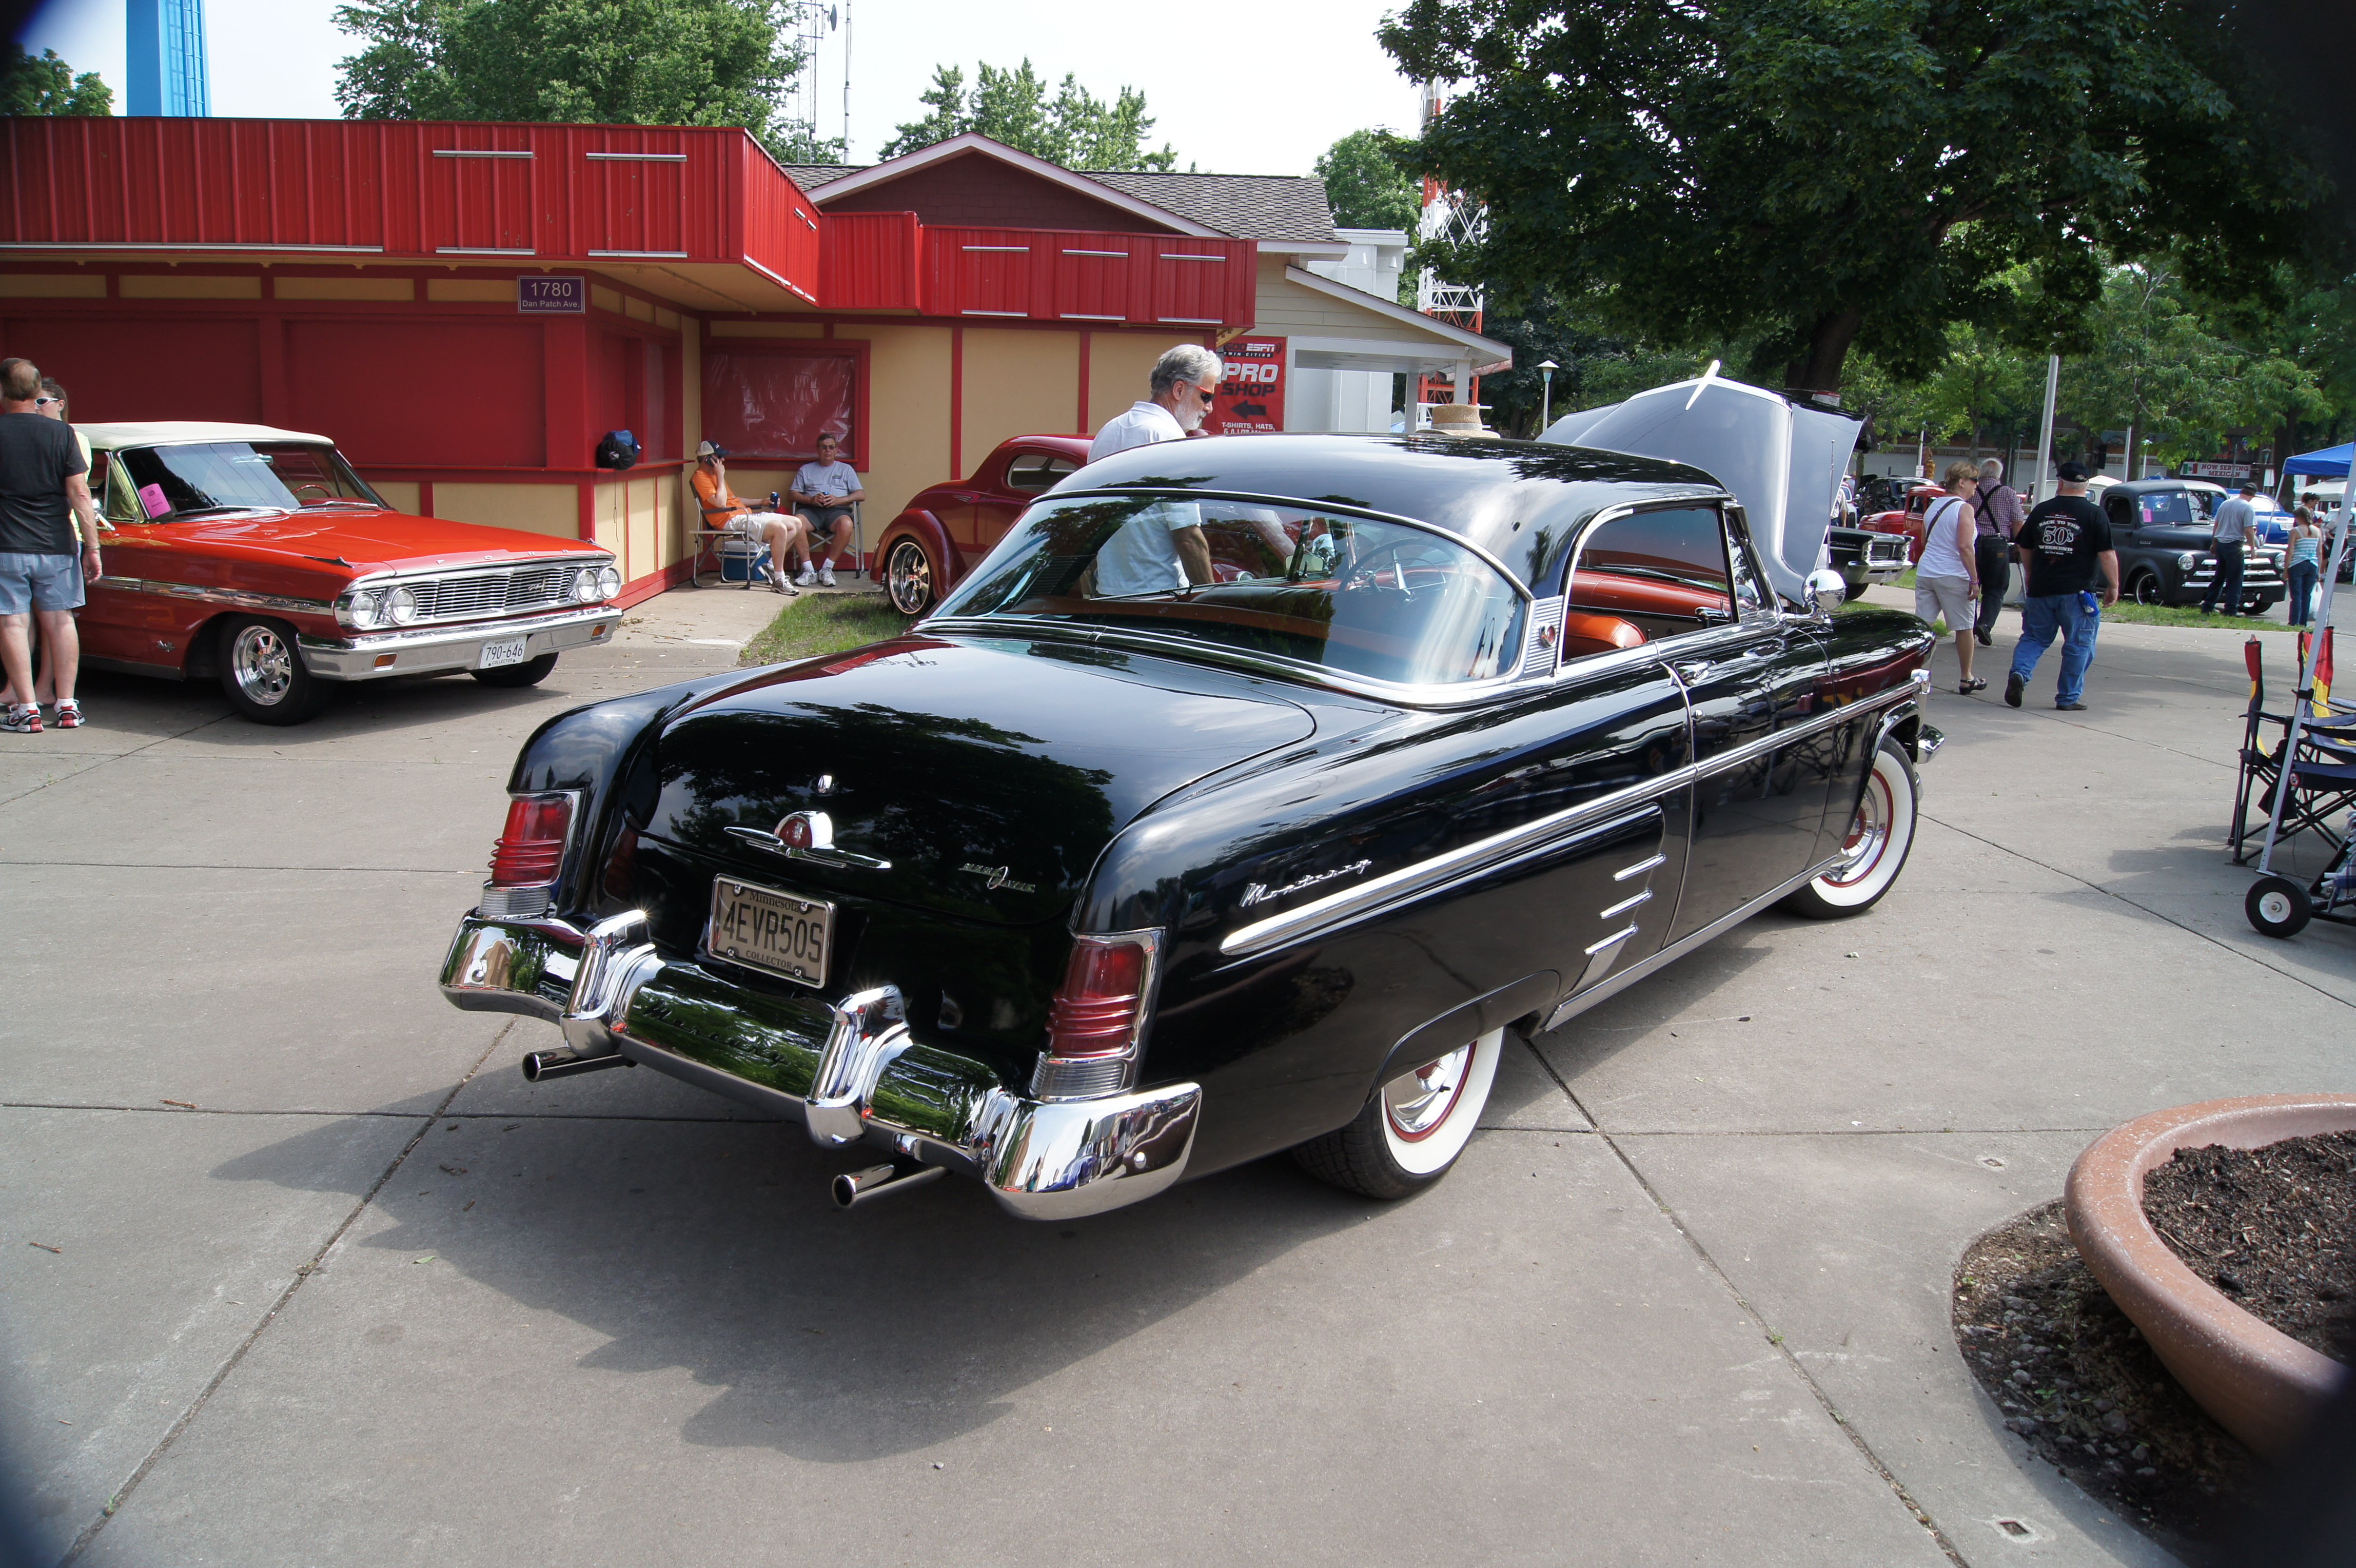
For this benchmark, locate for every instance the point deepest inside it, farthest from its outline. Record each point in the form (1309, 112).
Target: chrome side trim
(281, 603)
(1613, 940)
(1625, 905)
(1639, 869)
(1425, 876)
(1572, 1005)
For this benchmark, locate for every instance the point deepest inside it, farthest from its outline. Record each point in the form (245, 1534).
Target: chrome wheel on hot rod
(1414, 1127)
(908, 578)
(1874, 852)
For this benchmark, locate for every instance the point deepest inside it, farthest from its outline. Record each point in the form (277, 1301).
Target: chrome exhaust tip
(540, 1065)
(854, 1187)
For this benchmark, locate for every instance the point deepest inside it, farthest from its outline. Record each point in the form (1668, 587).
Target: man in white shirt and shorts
(1161, 549)
(825, 492)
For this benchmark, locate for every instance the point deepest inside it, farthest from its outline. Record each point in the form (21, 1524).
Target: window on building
(774, 401)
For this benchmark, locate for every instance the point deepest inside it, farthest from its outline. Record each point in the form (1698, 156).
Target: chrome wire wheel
(262, 664)
(1873, 851)
(908, 578)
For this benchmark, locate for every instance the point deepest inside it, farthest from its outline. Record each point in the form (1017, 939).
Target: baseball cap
(2074, 472)
(711, 449)
(2249, 489)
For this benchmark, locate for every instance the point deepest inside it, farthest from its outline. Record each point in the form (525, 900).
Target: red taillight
(1096, 1009)
(532, 847)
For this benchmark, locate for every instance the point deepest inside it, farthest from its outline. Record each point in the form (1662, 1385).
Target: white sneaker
(810, 575)
(826, 575)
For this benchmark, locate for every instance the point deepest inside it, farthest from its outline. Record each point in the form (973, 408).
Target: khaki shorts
(1948, 597)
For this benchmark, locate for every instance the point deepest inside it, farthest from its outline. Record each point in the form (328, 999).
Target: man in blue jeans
(2064, 544)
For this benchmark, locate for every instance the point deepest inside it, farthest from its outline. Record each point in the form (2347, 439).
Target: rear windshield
(2163, 508)
(169, 483)
(1386, 601)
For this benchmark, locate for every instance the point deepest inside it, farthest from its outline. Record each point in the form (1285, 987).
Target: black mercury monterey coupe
(1238, 801)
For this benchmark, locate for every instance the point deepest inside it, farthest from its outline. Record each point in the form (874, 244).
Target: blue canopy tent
(2331, 463)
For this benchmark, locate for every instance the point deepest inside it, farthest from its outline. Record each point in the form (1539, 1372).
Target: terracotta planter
(2262, 1385)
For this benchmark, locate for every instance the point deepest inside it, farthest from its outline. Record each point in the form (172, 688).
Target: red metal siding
(1084, 275)
(868, 261)
(400, 189)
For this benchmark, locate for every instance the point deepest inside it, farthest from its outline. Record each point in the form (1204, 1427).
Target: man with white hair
(1162, 548)
(1996, 506)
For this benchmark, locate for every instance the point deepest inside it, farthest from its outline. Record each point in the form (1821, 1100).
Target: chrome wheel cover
(262, 664)
(1418, 1102)
(1868, 835)
(909, 577)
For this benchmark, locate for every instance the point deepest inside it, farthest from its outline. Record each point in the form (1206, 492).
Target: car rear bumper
(847, 1070)
(426, 649)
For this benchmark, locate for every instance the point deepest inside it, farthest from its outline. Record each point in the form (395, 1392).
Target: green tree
(2155, 372)
(1983, 386)
(1074, 128)
(642, 63)
(44, 84)
(1366, 183)
(1829, 174)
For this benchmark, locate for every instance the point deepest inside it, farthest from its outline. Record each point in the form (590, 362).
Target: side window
(110, 488)
(1034, 471)
(1647, 576)
(1751, 598)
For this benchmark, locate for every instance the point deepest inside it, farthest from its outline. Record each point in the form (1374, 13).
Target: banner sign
(1251, 389)
(2215, 471)
(552, 296)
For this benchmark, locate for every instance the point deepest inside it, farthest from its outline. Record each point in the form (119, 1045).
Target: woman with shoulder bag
(1947, 578)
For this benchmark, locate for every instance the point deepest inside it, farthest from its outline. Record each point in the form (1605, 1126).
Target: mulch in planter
(2274, 1229)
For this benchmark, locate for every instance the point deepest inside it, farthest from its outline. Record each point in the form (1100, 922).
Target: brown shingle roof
(1247, 206)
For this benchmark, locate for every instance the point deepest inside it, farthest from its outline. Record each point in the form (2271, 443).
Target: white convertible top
(180, 432)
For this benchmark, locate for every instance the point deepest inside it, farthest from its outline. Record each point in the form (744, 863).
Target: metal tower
(805, 98)
(1447, 215)
(165, 71)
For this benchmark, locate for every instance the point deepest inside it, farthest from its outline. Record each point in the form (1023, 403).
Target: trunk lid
(990, 774)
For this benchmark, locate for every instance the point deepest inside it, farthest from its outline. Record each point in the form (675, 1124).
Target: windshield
(2164, 507)
(175, 482)
(1381, 600)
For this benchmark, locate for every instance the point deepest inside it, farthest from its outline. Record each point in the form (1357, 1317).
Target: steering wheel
(325, 493)
(1363, 575)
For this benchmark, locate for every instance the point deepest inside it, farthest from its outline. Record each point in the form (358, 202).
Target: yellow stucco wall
(1017, 383)
(398, 494)
(53, 285)
(637, 520)
(540, 508)
(769, 330)
(908, 415)
(1120, 368)
(470, 291)
(401, 289)
(158, 286)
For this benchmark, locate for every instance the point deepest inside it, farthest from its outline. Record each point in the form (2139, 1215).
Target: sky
(1266, 98)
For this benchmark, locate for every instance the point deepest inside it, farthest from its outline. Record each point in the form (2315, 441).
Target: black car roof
(1523, 501)
(2146, 486)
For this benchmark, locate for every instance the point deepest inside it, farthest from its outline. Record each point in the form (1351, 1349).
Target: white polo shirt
(1143, 425)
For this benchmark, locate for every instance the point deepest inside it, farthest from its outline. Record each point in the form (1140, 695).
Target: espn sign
(1252, 387)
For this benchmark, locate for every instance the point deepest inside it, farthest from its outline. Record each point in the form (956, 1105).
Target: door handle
(1694, 671)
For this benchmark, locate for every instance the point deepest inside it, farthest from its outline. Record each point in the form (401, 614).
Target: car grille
(491, 593)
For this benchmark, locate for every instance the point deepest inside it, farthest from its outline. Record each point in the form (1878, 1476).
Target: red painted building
(468, 307)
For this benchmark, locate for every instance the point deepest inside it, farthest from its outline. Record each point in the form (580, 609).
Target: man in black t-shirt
(2064, 546)
(44, 492)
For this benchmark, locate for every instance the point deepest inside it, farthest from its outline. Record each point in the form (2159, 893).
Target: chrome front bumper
(849, 1070)
(426, 649)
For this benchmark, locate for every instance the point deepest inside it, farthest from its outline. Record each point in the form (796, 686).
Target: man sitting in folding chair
(722, 509)
(827, 491)
(2323, 778)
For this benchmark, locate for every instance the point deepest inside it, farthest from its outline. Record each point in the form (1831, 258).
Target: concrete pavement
(334, 1286)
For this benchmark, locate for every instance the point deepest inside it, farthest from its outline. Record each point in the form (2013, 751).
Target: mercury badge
(807, 830)
(995, 878)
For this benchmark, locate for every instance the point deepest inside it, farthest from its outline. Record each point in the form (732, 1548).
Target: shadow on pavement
(834, 1338)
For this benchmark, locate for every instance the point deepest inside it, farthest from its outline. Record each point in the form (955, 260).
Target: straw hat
(1459, 419)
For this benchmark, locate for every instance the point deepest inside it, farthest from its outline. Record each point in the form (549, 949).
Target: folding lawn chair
(2323, 778)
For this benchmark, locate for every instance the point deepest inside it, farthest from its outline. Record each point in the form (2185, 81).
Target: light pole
(1546, 368)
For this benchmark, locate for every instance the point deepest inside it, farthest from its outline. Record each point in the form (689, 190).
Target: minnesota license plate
(506, 651)
(769, 930)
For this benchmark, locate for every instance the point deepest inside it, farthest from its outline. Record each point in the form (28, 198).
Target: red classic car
(1908, 523)
(257, 556)
(937, 539)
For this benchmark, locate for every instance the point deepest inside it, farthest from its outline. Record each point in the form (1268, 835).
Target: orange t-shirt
(718, 505)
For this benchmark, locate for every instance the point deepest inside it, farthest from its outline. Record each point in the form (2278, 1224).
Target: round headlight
(585, 585)
(609, 583)
(364, 612)
(400, 606)
(2188, 560)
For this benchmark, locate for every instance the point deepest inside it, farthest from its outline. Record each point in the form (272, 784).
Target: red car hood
(369, 539)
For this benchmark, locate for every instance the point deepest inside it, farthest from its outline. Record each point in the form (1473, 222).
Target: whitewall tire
(1414, 1127)
(1874, 850)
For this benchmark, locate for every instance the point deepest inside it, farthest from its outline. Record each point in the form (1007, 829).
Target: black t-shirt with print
(2058, 544)
(38, 455)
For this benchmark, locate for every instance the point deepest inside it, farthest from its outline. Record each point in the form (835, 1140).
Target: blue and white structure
(165, 71)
